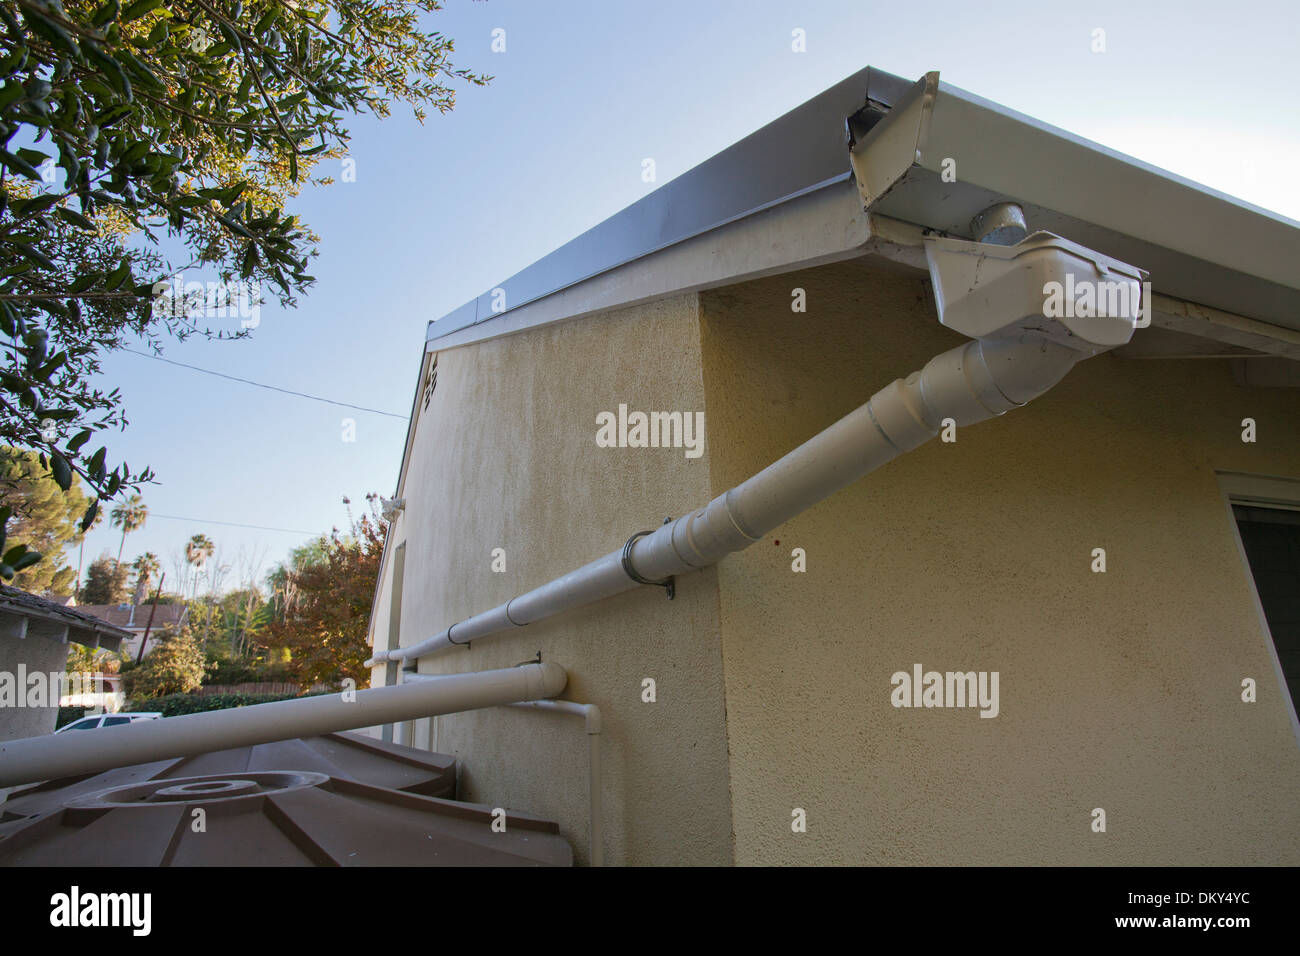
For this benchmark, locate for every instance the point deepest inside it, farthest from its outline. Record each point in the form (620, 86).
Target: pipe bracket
(669, 584)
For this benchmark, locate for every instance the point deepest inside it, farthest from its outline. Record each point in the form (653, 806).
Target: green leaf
(119, 275)
(34, 206)
(79, 439)
(84, 282)
(138, 9)
(105, 14)
(89, 517)
(116, 76)
(76, 219)
(12, 90)
(250, 261)
(19, 165)
(62, 470)
(36, 256)
(136, 152)
(27, 560)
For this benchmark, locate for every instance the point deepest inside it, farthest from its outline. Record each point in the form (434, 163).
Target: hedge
(238, 672)
(173, 705)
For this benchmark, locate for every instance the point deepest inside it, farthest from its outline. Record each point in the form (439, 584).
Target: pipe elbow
(545, 680)
(1025, 366)
(984, 378)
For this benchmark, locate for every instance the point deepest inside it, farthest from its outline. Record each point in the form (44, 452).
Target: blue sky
(583, 92)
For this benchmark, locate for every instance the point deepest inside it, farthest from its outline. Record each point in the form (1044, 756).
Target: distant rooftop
(27, 615)
(135, 618)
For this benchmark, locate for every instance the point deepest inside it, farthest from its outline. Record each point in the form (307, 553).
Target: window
(1266, 512)
(114, 721)
(1271, 539)
(85, 723)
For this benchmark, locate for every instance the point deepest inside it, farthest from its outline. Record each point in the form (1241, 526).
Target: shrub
(174, 705)
(246, 672)
(174, 666)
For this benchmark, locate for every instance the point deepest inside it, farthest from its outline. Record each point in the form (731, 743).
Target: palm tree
(145, 567)
(197, 551)
(130, 516)
(81, 554)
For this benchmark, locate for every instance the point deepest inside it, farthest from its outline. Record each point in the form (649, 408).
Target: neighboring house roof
(26, 615)
(135, 618)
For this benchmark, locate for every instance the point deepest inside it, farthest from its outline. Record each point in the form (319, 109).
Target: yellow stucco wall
(1118, 690)
(505, 457)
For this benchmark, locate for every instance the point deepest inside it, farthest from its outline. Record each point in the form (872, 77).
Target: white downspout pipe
(85, 752)
(591, 715)
(970, 383)
(1019, 353)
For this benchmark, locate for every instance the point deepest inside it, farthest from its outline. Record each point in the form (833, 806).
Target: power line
(274, 388)
(233, 524)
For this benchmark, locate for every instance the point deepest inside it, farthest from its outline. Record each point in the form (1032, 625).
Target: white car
(107, 720)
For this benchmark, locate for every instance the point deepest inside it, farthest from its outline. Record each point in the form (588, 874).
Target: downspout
(590, 714)
(995, 293)
(61, 755)
(591, 718)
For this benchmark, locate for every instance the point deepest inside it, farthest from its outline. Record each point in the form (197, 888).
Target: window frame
(1262, 491)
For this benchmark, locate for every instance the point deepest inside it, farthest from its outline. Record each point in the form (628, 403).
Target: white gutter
(992, 292)
(86, 752)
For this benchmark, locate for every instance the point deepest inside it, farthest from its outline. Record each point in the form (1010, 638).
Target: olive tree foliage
(141, 140)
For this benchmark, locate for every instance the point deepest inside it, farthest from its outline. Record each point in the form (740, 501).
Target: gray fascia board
(825, 225)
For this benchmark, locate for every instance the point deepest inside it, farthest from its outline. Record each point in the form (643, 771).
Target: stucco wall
(38, 655)
(1118, 690)
(505, 457)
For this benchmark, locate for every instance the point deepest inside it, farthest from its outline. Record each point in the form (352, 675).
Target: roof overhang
(1199, 245)
(24, 615)
(860, 171)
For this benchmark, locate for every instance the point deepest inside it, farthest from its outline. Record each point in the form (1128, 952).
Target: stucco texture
(505, 457)
(39, 655)
(1118, 691)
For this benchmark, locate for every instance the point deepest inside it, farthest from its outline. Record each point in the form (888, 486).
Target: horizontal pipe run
(975, 381)
(85, 752)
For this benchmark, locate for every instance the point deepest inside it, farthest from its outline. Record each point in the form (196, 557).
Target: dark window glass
(1271, 537)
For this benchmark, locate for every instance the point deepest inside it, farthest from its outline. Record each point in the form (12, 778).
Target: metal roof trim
(800, 152)
(1200, 244)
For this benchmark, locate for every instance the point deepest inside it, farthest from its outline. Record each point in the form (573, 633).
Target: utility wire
(274, 388)
(233, 524)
